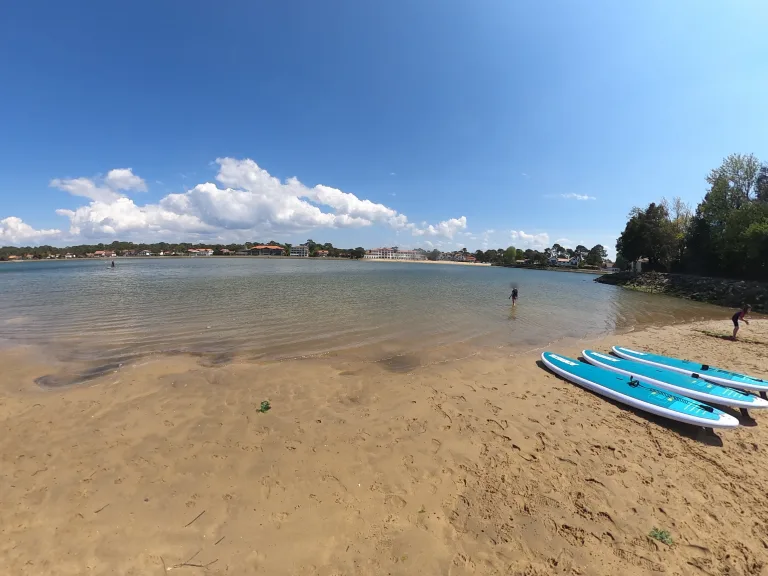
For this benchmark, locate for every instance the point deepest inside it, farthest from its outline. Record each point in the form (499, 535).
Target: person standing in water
(113, 263)
(740, 315)
(513, 297)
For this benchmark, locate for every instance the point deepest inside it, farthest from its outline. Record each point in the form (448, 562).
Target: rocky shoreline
(720, 291)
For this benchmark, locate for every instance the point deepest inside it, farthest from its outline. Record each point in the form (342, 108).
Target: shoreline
(718, 291)
(392, 261)
(561, 269)
(487, 464)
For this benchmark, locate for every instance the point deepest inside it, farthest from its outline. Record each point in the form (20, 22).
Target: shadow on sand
(729, 338)
(695, 433)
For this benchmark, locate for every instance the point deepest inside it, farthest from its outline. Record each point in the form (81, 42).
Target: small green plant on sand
(662, 536)
(265, 407)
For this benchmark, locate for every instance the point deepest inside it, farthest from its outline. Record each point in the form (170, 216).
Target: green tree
(761, 184)
(740, 171)
(510, 254)
(648, 234)
(581, 251)
(597, 255)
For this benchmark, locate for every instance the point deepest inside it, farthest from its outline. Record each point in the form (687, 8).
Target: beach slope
(486, 465)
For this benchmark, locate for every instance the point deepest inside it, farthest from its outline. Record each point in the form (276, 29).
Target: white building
(572, 262)
(393, 254)
(302, 251)
(380, 254)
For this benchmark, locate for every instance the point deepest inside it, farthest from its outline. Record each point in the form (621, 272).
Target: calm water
(82, 310)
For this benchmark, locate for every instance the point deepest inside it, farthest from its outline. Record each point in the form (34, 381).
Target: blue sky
(477, 123)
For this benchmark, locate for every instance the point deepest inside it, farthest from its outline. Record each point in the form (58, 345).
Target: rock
(731, 293)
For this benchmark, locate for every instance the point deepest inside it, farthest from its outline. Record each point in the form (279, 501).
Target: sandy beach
(484, 465)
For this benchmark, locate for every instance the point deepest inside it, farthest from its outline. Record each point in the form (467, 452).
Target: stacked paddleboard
(685, 394)
(704, 371)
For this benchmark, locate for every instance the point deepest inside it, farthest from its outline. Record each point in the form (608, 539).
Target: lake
(283, 308)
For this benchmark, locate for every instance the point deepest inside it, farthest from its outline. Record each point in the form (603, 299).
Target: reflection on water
(284, 308)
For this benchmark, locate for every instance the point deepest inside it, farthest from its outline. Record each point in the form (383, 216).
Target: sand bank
(488, 465)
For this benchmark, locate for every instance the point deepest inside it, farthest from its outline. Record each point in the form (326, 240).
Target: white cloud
(124, 179)
(524, 175)
(446, 229)
(572, 196)
(392, 174)
(116, 180)
(15, 231)
(122, 218)
(486, 238)
(533, 241)
(85, 187)
(246, 202)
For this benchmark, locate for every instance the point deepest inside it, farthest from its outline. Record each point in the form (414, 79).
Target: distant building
(200, 251)
(268, 250)
(301, 251)
(393, 254)
(565, 262)
(321, 253)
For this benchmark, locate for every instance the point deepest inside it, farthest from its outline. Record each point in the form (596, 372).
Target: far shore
(116, 258)
(424, 262)
(562, 269)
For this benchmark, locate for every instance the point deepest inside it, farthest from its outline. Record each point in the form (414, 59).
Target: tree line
(595, 256)
(727, 234)
(81, 250)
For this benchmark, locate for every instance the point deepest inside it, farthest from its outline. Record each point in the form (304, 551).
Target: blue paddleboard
(696, 388)
(634, 393)
(711, 373)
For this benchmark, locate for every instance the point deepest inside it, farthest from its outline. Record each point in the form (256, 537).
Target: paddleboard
(696, 388)
(637, 394)
(711, 373)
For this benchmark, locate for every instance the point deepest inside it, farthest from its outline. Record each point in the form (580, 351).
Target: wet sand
(486, 465)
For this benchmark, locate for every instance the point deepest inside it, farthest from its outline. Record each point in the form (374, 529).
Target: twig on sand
(188, 563)
(164, 568)
(195, 518)
(219, 540)
(188, 560)
(102, 508)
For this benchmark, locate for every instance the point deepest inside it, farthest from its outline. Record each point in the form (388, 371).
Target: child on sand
(740, 315)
